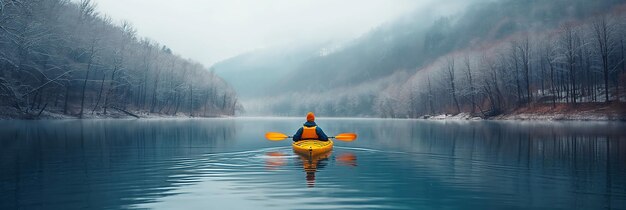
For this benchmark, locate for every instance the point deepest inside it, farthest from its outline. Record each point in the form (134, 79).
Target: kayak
(312, 147)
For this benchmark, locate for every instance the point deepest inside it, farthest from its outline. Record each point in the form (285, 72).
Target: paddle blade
(346, 136)
(275, 136)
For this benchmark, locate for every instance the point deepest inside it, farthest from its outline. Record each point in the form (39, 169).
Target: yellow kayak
(312, 147)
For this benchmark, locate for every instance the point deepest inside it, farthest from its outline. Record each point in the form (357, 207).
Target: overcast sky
(212, 30)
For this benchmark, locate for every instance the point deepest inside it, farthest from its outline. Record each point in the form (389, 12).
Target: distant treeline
(578, 62)
(64, 57)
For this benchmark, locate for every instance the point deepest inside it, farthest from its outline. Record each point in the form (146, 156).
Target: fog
(349, 58)
(209, 31)
(480, 57)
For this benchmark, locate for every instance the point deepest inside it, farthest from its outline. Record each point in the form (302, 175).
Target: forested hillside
(63, 57)
(577, 62)
(490, 58)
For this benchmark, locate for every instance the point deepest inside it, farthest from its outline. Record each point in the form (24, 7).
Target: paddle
(276, 136)
(345, 137)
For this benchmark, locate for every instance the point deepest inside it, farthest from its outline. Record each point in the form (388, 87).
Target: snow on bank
(614, 111)
(551, 117)
(526, 116)
(461, 116)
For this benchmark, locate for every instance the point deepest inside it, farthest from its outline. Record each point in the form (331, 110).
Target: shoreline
(527, 117)
(536, 112)
(442, 117)
(615, 111)
(14, 114)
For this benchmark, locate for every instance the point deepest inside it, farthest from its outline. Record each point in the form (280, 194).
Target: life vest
(309, 133)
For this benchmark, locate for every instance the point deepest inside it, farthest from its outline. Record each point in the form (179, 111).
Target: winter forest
(491, 59)
(577, 63)
(487, 59)
(60, 57)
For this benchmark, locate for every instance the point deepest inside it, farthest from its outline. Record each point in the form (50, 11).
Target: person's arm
(321, 134)
(298, 135)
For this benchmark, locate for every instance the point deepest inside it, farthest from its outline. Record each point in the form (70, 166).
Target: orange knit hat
(310, 117)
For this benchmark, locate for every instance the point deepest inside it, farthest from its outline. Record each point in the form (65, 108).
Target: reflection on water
(405, 164)
(310, 164)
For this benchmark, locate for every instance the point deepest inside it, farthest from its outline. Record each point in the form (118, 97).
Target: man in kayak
(310, 130)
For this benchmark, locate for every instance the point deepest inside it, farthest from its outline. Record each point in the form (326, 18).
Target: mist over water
(394, 164)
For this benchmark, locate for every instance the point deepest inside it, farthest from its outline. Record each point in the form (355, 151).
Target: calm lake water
(394, 164)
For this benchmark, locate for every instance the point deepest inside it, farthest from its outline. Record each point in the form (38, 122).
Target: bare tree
(523, 48)
(549, 56)
(470, 81)
(514, 57)
(450, 77)
(430, 97)
(604, 30)
(568, 40)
